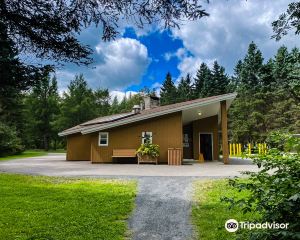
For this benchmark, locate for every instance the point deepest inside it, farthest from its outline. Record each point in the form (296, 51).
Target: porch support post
(224, 132)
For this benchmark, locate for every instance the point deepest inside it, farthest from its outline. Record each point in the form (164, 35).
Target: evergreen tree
(123, 103)
(168, 91)
(209, 85)
(247, 114)
(267, 97)
(15, 78)
(251, 67)
(102, 100)
(43, 108)
(284, 106)
(184, 89)
(133, 100)
(292, 84)
(78, 103)
(203, 76)
(220, 80)
(114, 108)
(287, 21)
(50, 29)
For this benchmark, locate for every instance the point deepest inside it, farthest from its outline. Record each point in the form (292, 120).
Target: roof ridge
(149, 112)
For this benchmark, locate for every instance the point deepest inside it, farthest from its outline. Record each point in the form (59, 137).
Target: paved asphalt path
(56, 165)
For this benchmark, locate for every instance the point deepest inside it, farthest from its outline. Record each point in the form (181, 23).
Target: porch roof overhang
(190, 111)
(205, 110)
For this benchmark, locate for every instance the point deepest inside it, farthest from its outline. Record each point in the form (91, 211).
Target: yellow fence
(236, 149)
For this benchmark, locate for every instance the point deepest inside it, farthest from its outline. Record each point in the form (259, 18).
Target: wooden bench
(124, 153)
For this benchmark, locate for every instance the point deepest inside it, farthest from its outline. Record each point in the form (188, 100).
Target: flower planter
(146, 159)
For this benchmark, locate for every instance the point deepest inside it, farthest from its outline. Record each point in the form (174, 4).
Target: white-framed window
(103, 139)
(146, 137)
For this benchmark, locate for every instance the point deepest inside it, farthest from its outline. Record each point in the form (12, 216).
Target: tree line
(268, 93)
(268, 99)
(207, 82)
(42, 112)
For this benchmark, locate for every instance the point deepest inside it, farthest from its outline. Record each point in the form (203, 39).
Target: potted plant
(148, 153)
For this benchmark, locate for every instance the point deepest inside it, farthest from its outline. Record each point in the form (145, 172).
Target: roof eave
(66, 133)
(157, 114)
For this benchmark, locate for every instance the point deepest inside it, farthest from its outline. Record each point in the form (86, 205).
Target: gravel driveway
(163, 209)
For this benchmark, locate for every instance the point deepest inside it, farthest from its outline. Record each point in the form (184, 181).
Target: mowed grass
(209, 214)
(25, 154)
(31, 153)
(47, 208)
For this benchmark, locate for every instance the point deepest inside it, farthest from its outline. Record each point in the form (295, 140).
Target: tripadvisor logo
(232, 225)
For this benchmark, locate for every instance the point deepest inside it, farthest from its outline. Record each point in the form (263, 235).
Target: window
(103, 138)
(146, 137)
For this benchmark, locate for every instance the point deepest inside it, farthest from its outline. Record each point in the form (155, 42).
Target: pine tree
(133, 100)
(42, 111)
(293, 79)
(209, 85)
(168, 91)
(203, 77)
(251, 67)
(114, 108)
(284, 110)
(15, 78)
(102, 100)
(220, 80)
(78, 103)
(123, 104)
(247, 114)
(184, 89)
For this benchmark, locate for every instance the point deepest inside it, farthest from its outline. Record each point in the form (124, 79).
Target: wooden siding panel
(78, 147)
(166, 132)
(206, 125)
(174, 156)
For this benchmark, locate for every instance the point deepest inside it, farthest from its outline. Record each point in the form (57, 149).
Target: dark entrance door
(206, 145)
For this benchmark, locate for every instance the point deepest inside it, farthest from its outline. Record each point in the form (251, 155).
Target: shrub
(9, 142)
(149, 149)
(274, 190)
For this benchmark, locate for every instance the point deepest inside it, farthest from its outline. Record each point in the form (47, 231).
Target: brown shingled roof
(102, 122)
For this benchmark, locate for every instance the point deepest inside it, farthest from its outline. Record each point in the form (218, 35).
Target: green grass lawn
(31, 153)
(40, 208)
(209, 214)
(25, 154)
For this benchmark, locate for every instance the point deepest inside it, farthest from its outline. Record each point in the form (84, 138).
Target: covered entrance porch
(204, 129)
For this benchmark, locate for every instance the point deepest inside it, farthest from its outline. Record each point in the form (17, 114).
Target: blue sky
(142, 57)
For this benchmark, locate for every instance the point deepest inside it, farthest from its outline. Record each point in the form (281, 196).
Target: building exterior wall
(78, 147)
(166, 132)
(206, 125)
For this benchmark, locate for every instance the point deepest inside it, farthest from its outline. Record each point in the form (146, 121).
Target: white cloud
(168, 56)
(122, 63)
(180, 54)
(190, 65)
(120, 94)
(156, 86)
(227, 32)
(64, 77)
